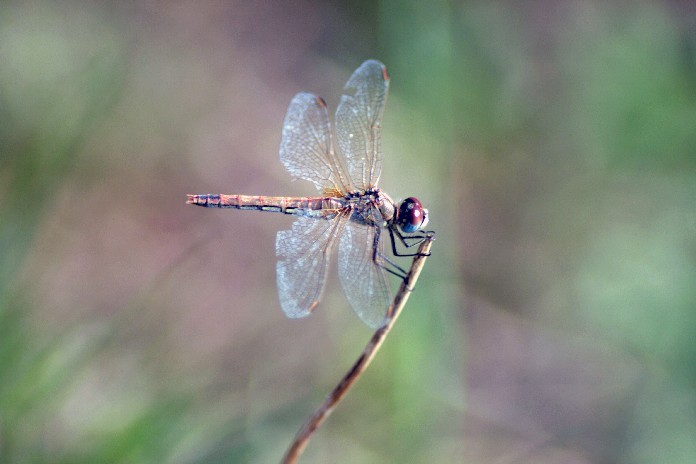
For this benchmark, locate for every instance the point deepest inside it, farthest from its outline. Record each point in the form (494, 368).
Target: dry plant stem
(302, 438)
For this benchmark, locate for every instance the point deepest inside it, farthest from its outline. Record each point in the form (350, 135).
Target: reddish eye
(412, 216)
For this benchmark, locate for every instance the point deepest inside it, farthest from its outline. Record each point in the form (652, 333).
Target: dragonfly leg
(419, 238)
(379, 259)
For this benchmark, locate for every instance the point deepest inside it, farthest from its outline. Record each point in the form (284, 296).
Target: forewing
(303, 253)
(364, 282)
(306, 148)
(358, 123)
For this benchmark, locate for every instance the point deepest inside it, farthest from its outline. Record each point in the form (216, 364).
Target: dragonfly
(350, 213)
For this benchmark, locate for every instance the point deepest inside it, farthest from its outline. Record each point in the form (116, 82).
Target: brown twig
(305, 433)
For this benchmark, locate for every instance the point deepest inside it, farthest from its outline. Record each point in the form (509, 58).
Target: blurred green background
(554, 143)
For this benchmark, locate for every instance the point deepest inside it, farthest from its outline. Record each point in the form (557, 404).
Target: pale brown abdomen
(323, 207)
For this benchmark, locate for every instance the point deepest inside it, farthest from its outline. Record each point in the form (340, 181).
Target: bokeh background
(554, 143)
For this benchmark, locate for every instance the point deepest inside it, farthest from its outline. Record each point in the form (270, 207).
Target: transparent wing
(364, 282)
(303, 259)
(358, 123)
(306, 148)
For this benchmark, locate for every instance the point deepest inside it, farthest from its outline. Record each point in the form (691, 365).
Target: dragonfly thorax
(372, 207)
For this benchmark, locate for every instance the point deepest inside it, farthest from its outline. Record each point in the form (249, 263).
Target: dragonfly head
(411, 215)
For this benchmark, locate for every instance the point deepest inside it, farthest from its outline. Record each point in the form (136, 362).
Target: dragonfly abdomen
(320, 207)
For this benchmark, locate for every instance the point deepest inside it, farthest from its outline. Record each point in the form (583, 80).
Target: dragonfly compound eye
(412, 216)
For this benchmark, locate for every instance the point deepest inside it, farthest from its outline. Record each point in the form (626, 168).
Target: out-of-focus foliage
(553, 142)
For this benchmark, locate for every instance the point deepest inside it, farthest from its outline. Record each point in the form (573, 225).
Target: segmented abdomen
(323, 207)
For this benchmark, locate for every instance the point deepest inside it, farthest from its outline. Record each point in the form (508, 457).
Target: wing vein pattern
(364, 282)
(358, 123)
(306, 148)
(304, 253)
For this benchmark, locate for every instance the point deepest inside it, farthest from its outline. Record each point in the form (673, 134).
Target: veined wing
(303, 259)
(306, 148)
(358, 123)
(364, 282)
